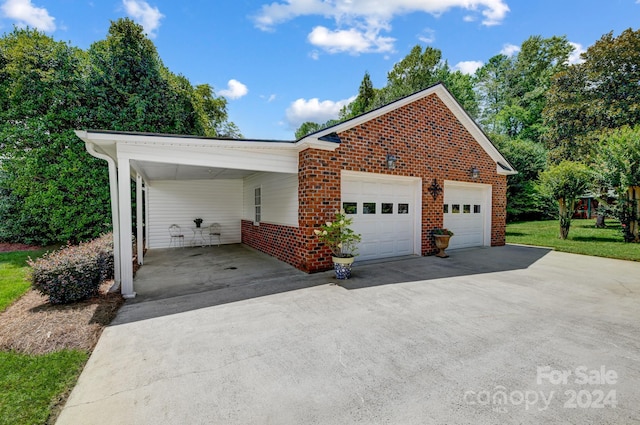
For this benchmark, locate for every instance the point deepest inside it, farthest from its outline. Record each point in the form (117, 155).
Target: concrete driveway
(509, 335)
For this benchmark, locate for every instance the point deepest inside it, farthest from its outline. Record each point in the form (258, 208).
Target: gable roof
(331, 133)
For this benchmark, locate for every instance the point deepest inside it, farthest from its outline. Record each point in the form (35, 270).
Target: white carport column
(126, 254)
(139, 221)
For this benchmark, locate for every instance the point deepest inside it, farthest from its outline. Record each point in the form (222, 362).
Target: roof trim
(447, 98)
(107, 137)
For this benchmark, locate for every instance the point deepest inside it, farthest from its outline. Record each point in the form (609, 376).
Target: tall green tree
(566, 183)
(363, 102)
(421, 69)
(603, 92)
(491, 82)
(129, 89)
(512, 91)
(51, 189)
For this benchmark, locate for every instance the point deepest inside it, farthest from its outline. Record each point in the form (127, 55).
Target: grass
(31, 385)
(584, 238)
(13, 275)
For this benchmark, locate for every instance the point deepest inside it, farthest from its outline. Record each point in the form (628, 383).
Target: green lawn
(31, 385)
(584, 238)
(13, 274)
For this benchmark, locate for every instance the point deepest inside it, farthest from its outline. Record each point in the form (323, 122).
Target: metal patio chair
(214, 231)
(177, 236)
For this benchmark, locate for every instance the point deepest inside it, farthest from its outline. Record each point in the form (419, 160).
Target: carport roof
(186, 157)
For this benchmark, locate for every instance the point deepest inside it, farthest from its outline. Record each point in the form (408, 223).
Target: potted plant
(442, 237)
(342, 241)
(198, 221)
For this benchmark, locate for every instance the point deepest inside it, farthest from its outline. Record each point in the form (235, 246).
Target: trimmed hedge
(74, 272)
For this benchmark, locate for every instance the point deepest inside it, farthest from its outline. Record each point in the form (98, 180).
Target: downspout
(113, 188)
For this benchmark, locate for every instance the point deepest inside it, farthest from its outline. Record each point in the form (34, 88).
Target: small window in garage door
(350, 207)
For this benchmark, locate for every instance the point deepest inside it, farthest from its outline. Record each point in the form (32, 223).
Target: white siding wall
(179, 202)
(279, 198)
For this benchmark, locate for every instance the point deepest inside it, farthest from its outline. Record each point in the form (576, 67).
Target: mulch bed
(33, 326)
(8, 247)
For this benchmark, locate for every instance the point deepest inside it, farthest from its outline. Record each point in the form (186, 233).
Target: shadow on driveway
(180, 280)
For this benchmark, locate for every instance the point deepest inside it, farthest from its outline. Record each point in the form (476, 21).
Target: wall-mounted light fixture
(391, 161)
(475, 173)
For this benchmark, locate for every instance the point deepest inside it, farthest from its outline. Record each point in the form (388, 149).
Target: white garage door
(384, 213)
(465, 213)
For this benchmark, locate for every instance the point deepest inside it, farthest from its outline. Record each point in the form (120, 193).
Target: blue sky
(283, 62)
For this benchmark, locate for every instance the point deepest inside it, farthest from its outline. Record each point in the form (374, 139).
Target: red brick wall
(282, 242)
(428, 141)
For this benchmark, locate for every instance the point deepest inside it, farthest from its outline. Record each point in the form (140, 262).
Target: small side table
(198, 236)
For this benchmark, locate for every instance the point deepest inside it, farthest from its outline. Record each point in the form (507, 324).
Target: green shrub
(74, 272)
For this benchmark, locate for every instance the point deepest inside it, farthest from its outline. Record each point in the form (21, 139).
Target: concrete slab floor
(500, 335)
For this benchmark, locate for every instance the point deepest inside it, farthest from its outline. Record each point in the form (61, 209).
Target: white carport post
(126, 254)
(139, 221)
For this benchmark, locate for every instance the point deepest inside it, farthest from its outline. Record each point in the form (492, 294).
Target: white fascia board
(100, 138)
(260, 156)
(206, 156)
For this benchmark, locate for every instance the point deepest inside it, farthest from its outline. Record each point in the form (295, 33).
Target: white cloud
(468, 67)
(235, 90)
(351, 41)
(574, 57)
(25, 13)
(509, 49)
(427, 36)
(147, 16)
(314, 110)
(359, 23)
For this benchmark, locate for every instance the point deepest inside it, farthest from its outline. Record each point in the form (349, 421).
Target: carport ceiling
(165, 171)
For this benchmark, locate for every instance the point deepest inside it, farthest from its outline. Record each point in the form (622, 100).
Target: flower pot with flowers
(198, 221)
(342, 241)
(442, 237)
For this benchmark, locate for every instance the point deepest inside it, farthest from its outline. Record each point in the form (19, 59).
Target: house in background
(401, 170)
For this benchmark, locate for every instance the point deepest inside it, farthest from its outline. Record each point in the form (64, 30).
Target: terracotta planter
(342, 266)
(442, 243)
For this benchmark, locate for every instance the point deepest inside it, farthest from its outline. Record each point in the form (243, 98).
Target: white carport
(148, 158)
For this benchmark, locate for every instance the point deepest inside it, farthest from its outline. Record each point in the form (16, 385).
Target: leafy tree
(566, 183)
(512, 91)
(618, 160)
(492, 86)
(51, 189)
(307, 128)
(524, 199)
(603, 92)
(421, 69)
(129, 89)
(211, 114)
(364, 102)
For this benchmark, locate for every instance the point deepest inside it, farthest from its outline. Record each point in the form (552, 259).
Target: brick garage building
(433, 145)
(401, 171)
